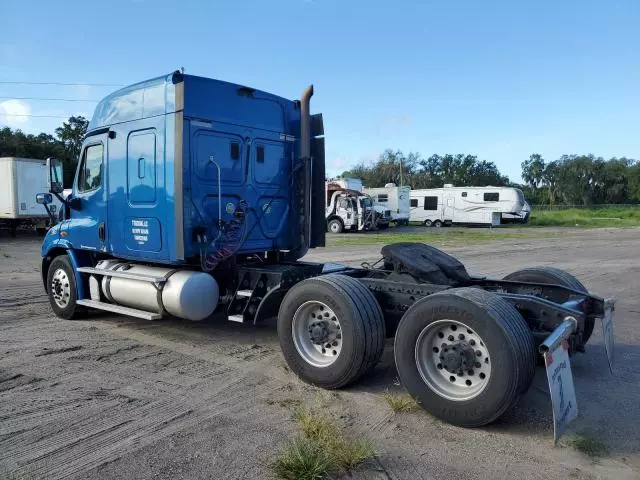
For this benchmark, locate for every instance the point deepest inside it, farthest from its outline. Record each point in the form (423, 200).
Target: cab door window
(90, 177)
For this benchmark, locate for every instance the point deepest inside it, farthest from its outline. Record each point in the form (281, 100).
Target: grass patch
(399, 402)
(301, 459)
(586, 217)
(322, 448)
(586, 443)
(443, 236)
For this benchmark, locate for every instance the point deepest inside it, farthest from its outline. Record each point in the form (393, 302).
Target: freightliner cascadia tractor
(194, 196)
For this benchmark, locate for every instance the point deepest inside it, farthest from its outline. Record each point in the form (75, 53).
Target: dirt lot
(119, 398)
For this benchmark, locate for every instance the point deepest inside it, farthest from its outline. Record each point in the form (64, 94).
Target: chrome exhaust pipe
(305, 163)
(559, 335)
(305, 123)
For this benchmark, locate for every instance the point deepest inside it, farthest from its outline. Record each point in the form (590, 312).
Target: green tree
(533, 170)
(72, 133)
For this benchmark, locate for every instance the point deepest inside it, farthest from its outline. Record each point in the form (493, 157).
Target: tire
(335, 226)
(361, 329)
(60, 270)
(428, 223)
(496, 330)
(383, 226)
(437, 223)
(555, 276)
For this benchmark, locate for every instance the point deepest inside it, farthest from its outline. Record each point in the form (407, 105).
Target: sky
(498, 79)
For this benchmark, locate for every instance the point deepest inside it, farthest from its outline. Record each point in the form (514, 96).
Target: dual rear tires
(466, 355)
(331, 330)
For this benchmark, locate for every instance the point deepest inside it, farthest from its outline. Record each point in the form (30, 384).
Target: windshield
(520, 195)
(366, 201)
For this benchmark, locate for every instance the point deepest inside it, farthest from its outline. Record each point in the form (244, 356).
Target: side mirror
(54, 166)
(44, 198)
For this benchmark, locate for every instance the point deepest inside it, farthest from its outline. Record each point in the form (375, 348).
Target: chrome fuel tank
(184, 293)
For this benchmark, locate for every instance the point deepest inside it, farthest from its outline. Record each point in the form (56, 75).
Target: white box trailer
(465, 205)
(396, 199)
(20, 180)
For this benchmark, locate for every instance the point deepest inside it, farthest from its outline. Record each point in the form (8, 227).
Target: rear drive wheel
(466, 355)
(437, 224)
(61, 289)
(428, 223)
(331, 330)
(551, 275)
(334, 226)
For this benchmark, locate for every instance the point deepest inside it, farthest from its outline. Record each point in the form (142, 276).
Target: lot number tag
(563, 394)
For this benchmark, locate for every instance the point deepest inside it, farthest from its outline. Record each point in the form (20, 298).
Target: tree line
(65, 145)
(569, 180)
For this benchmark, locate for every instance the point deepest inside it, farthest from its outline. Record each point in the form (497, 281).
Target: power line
(53, 99)
(33, 116)
(63, 84)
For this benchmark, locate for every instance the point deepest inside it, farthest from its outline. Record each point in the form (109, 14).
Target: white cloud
(14, 113)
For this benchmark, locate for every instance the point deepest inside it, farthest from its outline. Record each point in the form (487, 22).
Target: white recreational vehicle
(394, 198)
(465, 205)
(522, 217)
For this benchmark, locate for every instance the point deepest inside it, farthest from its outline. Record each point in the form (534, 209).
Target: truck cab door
(87, 228)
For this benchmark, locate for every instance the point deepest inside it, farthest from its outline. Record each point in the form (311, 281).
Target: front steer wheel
(331, 330)
(61, 288)
(465, 355)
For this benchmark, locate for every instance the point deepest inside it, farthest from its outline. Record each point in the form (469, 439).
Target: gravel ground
(118, 398)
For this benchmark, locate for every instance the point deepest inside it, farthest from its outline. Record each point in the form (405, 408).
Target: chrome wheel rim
(60, 288)
(317, 334)
(453, 360)
(334, 227)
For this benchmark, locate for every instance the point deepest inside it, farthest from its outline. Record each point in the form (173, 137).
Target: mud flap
(607, 330)
(558, 365)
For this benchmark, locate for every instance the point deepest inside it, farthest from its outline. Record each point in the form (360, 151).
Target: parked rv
(465, 205)
(348, 208)
(394, 198)
(522, 217)
(20, 180)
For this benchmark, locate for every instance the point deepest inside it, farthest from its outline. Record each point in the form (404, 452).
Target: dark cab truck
(194, 196)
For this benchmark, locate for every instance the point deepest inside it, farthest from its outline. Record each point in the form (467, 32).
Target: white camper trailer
(396, 199)
(522, 217)
(465, 205)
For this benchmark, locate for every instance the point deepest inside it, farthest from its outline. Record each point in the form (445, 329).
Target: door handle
(101, 231)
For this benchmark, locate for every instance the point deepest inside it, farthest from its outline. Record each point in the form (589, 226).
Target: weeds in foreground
(301, 459)
(321, 449)
(585, 443)
(399, 402)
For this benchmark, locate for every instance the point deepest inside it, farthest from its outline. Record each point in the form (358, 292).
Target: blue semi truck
(194, 196)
